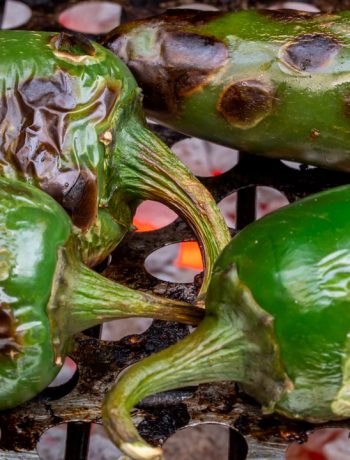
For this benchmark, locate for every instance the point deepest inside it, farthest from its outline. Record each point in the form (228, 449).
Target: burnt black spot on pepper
(310, 52)
(73, 44)
(187, 83)
(9, 343)
(289, 15)
(192, 51)
(185, 64)
(82, 199)
(245, 103)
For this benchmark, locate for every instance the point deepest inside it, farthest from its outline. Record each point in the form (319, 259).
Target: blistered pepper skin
(57, 108)
(277, 321)
(47, 294)
(72, 124)
(31, 234)
(271, 82)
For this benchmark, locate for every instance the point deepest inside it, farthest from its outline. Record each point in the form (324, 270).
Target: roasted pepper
(270, 82)
(47, 294)
(277, 321)
(71, 123)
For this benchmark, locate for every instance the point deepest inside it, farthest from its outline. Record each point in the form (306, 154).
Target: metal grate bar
(2, 11)
(77, 442)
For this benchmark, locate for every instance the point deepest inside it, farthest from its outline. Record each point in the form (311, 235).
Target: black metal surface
(100, 362)
(2, 9)
(77, 443)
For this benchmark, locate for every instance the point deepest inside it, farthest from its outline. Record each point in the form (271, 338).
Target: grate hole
(268, 199)
(101, 447)
(228, 208)
(151, 215)
(204, 158)
(324, 444)
(91, 17)
(16, 14)
(67, 372)
(296, 165)
(116, 330)
(64, 382)
(176, 263)
(206, 441)
(301, 6)
(52, 444)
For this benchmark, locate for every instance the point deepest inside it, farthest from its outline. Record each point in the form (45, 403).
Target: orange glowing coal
(142, 226)
(189, 256)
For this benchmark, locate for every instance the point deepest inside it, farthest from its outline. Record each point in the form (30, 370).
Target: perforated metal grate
(78, 401)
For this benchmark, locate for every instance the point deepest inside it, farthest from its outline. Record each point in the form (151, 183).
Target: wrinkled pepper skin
(71, 123)
(277, 321)
(271, 82)
(47, 294)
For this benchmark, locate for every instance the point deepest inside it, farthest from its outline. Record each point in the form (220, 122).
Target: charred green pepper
(271, 82)
(47, 294)
(277, 321)
(71, 123)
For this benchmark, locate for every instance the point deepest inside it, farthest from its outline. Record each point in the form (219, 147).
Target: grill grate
(78, 402)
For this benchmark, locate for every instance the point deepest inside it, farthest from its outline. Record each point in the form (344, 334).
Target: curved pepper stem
(83, 299)
(235, 341)
(150, 170)
(189, 362)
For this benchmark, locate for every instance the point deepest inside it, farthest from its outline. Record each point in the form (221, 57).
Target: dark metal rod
(2, 11)
(94, 332)
(238, 448)
(77, 442)
(245, 206)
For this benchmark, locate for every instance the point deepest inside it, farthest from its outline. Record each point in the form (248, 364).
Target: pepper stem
(150, 170)
(200, 357)
(234, 342)
(84, 299)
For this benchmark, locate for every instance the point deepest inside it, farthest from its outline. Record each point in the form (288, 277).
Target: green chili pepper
(274, 83)
(71, 123)
(277, 321)
(47, 294)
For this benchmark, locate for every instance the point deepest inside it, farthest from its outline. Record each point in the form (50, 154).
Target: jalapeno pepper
(277, 321)
(71, 123)
(47, 294)
(271, 82)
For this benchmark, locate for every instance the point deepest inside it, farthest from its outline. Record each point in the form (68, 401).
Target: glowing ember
(151, 215)
(91, 17)
(189, 256)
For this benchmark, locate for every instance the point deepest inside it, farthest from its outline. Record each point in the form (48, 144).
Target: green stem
(84, 299)
(235, 341)
(205, 356)
(150, 170)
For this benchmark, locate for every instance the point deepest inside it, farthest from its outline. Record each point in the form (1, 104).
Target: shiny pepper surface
(47, 294)
(71, 123)
(270, 82)
(277, 321)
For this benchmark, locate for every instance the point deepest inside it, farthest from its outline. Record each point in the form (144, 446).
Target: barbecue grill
(78, 401)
